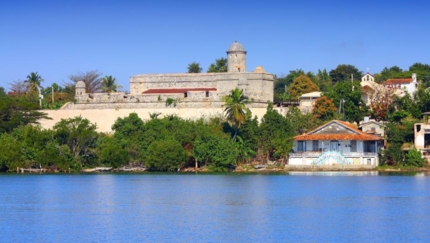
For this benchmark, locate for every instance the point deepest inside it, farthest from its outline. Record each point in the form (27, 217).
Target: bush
(112, 154)
(413, 158)
(165, 155)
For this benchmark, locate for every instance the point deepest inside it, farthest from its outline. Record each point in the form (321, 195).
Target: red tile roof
(398, 81)
(176, 91)
(356, 135)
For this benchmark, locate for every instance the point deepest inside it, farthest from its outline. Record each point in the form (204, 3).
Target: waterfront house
(336, 143)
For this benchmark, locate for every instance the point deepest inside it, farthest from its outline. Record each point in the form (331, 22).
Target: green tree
(347, 96)
(276, 134)
(302, 85)
(109, 84)
(413, 158)
(111, 153)
(33, 82)
(387, 73)
(422, 71)
(220, 66)
(79, 134)
(323, 80)
(194, 67)
(16, 112)
(301, 122)
(165, 155)
(235, 109)
(129, 132)
(281, 83)
(217, 153)
(343, 73)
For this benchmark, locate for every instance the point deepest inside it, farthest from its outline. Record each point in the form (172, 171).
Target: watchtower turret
(236, 58)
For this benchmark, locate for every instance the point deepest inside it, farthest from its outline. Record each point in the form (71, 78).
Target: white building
(403, 84)
(336, 143)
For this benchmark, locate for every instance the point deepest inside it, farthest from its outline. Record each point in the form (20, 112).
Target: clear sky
(126, 38)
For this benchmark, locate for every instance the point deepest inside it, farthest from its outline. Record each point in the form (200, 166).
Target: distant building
(307, 101)
(403, 84)
(372, 127)
(336, 143)
(422, 138)
(187, 90)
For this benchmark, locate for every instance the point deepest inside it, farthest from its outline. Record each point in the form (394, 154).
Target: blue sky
(126, 38)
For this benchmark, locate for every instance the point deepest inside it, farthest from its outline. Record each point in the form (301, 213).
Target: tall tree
(323, 80)
(302, 85)
(220, 66)
(422, 71)
(78, 133)
(16, 112)
(235, 108)
(324, 109)
(92, 80)
(276, 134)
(194, 67)
(109, 84)
(343, 73)
(33, 82)
(347, 96)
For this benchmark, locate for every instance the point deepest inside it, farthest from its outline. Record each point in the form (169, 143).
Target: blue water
(324, 207)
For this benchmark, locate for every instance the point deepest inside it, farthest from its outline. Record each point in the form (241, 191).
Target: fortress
(188, 95)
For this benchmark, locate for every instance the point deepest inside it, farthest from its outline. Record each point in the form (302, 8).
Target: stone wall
(105, 118)
(257, 86)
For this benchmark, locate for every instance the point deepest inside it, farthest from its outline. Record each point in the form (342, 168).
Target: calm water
(214, 208)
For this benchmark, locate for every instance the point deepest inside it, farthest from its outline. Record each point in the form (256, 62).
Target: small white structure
(372, 127)
(367, 78)
(422, 138)
(336, 143)
(307, 101)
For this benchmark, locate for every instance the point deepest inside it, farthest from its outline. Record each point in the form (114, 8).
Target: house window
(369, 147)
(185, 95)
(207, 93)
(301, 146)
(353, 146)
(315, 145)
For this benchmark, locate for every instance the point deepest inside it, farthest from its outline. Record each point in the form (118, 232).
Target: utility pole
(52, 94)
(352, 81)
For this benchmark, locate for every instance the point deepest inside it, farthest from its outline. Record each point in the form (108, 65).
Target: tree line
(160, 144)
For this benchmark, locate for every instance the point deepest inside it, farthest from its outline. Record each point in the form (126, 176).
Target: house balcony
(316, 154)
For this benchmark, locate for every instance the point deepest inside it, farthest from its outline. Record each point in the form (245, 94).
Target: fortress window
(185, 95)
(207, 93)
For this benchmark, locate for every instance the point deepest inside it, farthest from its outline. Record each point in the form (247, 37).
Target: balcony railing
(316, 154)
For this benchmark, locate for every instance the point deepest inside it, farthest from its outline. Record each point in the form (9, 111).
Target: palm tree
(235, 108)
(109, 84)
(33, 82)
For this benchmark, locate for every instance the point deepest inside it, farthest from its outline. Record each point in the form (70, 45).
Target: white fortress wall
(105, 118)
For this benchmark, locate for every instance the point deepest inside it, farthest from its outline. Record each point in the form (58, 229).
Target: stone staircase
(334, 155)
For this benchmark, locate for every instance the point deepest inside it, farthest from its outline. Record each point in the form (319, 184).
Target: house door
(334, 145)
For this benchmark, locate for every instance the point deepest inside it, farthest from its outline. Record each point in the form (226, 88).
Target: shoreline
(241, 169)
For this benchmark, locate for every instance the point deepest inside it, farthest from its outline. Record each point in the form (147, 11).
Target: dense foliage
(219, 144)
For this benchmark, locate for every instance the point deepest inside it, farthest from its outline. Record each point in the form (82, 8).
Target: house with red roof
(336, 143)
(404, 84)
